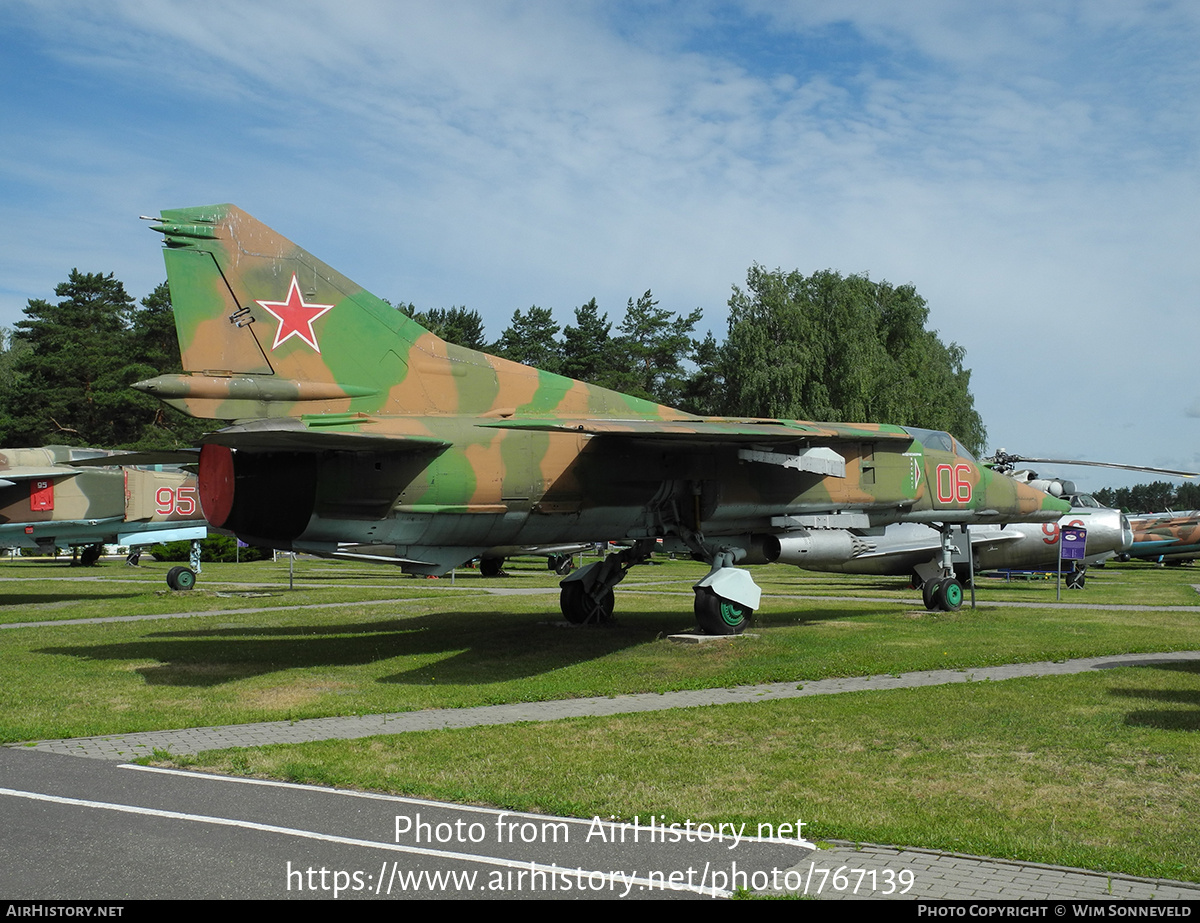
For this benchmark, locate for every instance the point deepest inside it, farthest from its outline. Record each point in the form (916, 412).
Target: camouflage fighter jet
(1167, 538)
(354, 424)
(69, 497)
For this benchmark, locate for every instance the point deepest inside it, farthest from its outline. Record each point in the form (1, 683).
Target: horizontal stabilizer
(155, 537)
(175, 457)
(283, 434)
(14, 475)
(377, 559)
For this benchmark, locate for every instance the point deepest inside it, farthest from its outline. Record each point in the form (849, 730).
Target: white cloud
(1028, 167)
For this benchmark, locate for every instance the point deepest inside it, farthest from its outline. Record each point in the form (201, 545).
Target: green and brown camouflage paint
(58, 496)
(352, 423)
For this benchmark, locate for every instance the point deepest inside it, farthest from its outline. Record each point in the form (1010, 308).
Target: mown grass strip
(453, 649)
(1097, 771)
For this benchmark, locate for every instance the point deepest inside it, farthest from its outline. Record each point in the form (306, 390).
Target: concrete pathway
(194, 740)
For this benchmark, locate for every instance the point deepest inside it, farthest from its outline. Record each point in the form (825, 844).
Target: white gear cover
(734, 584)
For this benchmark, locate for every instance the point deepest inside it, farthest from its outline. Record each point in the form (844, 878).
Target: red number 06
(952, 483)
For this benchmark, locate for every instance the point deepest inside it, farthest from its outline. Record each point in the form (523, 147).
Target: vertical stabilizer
(266, 330)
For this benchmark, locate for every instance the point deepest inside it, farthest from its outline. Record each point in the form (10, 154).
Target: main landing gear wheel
(945, 595)
(90, 555)
(950, 594)
(561, 564)
(181, 578)
(579, 608)
(491, 567)
(718, 616)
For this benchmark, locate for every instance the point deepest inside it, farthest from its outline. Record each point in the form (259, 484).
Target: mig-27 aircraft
(70, 497)
(354, 424)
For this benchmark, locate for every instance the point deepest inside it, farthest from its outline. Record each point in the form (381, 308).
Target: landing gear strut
(725, 599)
(586, 597)
(184, 578)
(945, 592)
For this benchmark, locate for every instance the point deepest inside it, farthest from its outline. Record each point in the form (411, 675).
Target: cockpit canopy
(939, 441)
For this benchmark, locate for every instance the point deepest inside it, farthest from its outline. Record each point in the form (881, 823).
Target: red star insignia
(295, 316)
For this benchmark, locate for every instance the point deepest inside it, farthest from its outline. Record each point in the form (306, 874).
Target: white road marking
(350, 841)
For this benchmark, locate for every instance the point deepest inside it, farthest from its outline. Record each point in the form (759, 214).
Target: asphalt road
(96, 830)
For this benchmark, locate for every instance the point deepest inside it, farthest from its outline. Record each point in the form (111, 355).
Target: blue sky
(1030, 167)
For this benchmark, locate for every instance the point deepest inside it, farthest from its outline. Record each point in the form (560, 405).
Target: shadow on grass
(841, 584)
(469, 647)
(1185, 719)
(810, 612)
(34, 599)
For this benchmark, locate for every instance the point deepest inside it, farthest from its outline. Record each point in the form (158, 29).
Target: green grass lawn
(1098, 770)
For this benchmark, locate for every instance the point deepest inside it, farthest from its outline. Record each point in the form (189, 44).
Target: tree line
(1156, 497)
(65, 370)
(818, 347)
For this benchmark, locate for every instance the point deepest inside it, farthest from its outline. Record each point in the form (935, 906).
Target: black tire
(929, 594)
(950, 594)
(90, 555)
(491, 567)
(181, 578)
(716, 615)
(579, 608)
(562, 565)
(1076, 579)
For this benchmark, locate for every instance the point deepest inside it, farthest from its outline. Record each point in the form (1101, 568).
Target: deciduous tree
(828, 347)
